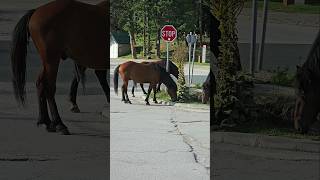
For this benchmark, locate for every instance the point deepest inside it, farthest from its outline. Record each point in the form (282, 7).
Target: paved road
(28, 152)
(241, 162)
(157, 141)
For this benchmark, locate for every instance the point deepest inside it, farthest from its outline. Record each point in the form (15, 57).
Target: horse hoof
(148, 104)
(63, 130)
(133, 96)
(40, 122)
(75, 109)
(129, 102)
(156, 102)
(51, 129)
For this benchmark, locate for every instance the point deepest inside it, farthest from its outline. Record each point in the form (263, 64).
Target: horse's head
(205, 93)
(307, 103)
(169, 82)
(207, 88)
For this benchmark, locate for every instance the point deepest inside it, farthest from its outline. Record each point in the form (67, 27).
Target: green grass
(162, 95)
(295, 8)
(271, 131)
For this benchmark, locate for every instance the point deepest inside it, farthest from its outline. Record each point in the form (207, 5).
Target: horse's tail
(115, 79)
(19, 49)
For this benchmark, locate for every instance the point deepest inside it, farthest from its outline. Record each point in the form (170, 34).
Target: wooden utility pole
(261, 47)
(253, 37)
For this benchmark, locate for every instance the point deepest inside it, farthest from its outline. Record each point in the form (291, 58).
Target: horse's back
(73, 28)
(139, 72)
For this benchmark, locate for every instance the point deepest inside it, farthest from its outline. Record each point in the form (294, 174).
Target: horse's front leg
(51, 76)
(125, 96)
(148, 94)
(74, 89)
(158, 88)
(154, 87)
(141, 85)
(102, 77)
(73, 95)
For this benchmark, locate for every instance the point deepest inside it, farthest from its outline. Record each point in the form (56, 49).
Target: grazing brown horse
(59, 29)
(143, 73)
(173, 69)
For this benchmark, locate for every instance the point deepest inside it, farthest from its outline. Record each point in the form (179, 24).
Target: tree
(226, 12)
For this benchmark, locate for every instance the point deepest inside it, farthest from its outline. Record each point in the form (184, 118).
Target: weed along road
(157, 141)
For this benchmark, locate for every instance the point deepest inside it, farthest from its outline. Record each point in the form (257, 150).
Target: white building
(119, 44)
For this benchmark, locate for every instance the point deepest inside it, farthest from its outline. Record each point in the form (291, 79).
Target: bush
(282, 77)
(179, 55)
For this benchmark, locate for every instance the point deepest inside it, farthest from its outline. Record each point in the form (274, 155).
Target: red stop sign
(168, 33)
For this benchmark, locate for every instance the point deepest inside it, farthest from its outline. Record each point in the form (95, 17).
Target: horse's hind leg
(43, 109)
(158, 87)
(74, 89)
(51, 71)
(125, 96)
(102, 77)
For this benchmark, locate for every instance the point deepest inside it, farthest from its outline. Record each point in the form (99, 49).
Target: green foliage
(282, 77)
(226, 88)
(294, 8)
(179, 56)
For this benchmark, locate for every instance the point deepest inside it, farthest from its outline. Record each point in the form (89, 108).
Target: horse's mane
(166, 78)
(172, 66)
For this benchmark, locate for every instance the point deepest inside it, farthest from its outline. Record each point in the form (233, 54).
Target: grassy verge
(280, 7)
(270, 131)
(192, 97)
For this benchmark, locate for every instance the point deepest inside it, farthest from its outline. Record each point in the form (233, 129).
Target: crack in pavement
(166, 151)
(172, 117)
(27, 159)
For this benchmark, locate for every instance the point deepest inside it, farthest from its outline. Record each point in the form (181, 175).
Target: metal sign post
(191, 40)
(194, 40)
(167, 63)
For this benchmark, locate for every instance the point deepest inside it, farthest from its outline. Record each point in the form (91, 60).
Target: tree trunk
(149, 38)
(158, 43)
(133, 45)
(144, 31)
(200, 22)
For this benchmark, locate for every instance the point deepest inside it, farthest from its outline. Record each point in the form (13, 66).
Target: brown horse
(143, 73)
(173, 69)
(59, 29)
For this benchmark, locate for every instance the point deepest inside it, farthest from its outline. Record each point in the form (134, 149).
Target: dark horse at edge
(308, 90)
(60, 29)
